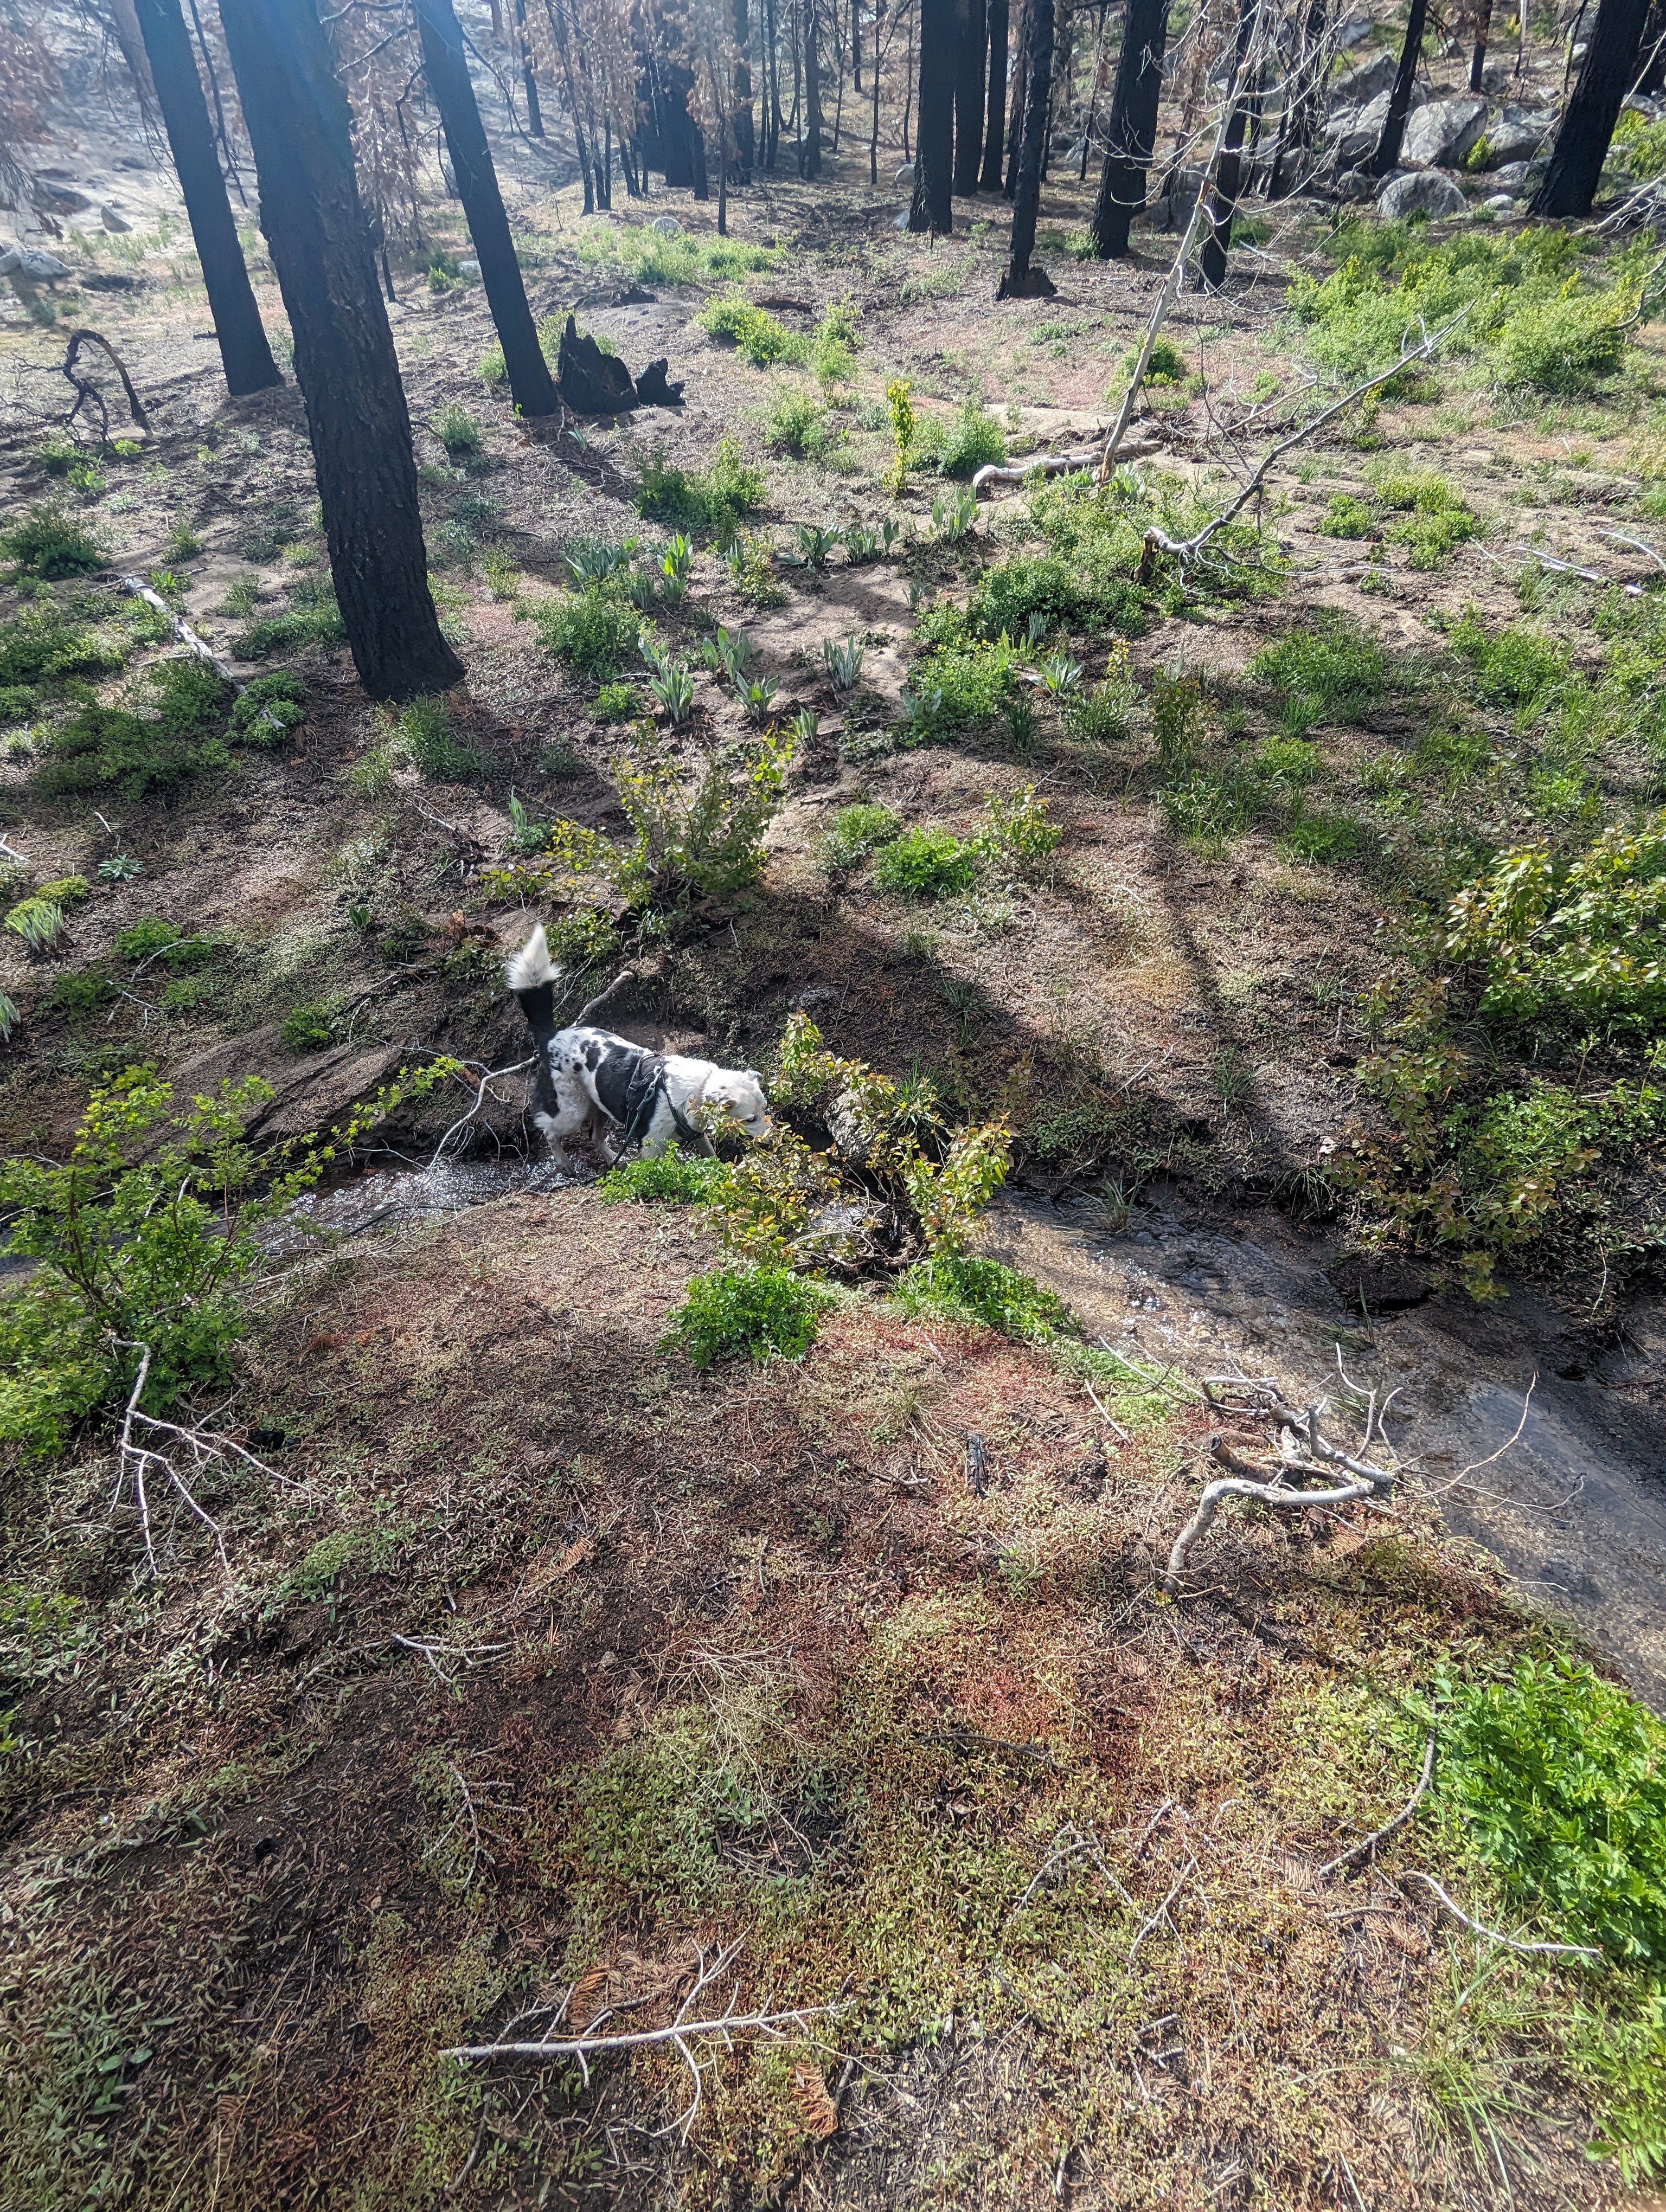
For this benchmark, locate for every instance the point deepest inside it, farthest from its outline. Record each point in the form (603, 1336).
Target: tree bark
(534, 109)
(1387, 155)
(125, 22)
(993, 147)
(810, 160)
(1016, 104)
(968, 96)
(245, 352)
(1483, 27)
(1652, 54)
(1302, 113)
(1213, 261)
(1582, 143)
(1021, 281)
(933, 145)
(742, 128)
(446, 66)
(296, 114)
(1131, 132)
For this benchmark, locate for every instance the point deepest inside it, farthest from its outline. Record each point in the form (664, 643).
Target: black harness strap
(646, 1089)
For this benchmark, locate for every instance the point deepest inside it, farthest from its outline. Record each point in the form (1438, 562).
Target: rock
(1500, 202)
(1441, 134)
(1363, 83)
(1354, 140)
(1516, 138)
(666, 226)
(653, 390)
(905, 174)
(113, 220)
(40, 268)
(468, 267)
(1351, 33)
(1420, 191)
(1355, 185)
(1511, 179)
(900, 221)
(591, 382)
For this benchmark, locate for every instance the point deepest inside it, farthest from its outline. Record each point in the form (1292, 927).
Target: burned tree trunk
(1483, 29)
(810, 156)
(969, 97)
(1131, 132)
(1245, 103)
(993, 147)
(446, 66)
(345, 365)
(1582, 143)
(1021, 282)
(245, 351)
(1301, 115)
(933, 150)
(1019, 92)
(1387, 155)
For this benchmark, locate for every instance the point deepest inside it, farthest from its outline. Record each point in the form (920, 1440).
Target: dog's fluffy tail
(531, 975)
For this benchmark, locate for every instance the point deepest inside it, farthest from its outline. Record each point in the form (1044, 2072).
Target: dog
(592, 1083)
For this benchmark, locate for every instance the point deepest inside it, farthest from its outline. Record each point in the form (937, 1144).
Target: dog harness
(645, 1088)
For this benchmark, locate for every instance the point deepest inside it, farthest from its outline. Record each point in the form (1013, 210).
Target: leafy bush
(904, 428)
(955, 1286)
(427, 734)
(959, 681)
(595, 629)
(153, 938)
(674, 1179)
(927, 863)
(1566, 346)
(1345, 516)
(712, 500)
(1323, 840)
(1020, 835)
(313, 618)
(108, 746)
(1009, 596)
(834, 349)
(759, 337)
(1512, 667)
(1327, 671)
(1579, 936)
(458, 432)
(1557, 1781)
(856, 831)
(310, 1026)
(1434, 518)
(617, 703)
(46, 543)
(269, 709)
(1205, 809)
(746, 1313)
(797, 424)
(40, 655)
(971, 441)
(1167, 364)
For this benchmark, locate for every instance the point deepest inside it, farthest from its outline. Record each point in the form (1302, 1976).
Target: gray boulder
(905, 174)
(1511, 179)
(1440, 135)
(1500, 202)
(30, 262)
(1420, 191)
(1516, 138)
(1363, 83)
(1356, 137)
(1352, 31)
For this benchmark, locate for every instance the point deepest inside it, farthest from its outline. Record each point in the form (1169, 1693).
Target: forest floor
(542, 1669)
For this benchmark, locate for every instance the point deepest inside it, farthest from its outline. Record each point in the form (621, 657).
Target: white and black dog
(591, 1082)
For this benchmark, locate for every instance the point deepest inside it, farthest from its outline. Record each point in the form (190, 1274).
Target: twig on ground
(1071, 1843)
(480, 1098)
(1161, 1913)
(1115, 1428)
(631, 974)
(135, 1460)
(1493, 1935)
(1367, 1848)
(995, 473)
(476, 1655)
(187, 637)
(85, 391)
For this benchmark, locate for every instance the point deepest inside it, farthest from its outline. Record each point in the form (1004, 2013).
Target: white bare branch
(136, 1461)
(1493, 1935)
(1367, 1848)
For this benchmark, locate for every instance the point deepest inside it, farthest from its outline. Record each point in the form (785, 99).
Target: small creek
(1574, 1509)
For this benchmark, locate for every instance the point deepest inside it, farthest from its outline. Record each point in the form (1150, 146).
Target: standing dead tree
(1582, 142)
(1020, 281)
(934, 159)
(1131, 132)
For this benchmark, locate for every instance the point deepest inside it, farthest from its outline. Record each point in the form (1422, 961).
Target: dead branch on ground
(1071, 1844)
(1366, 1849)
(136, 1461)
(482, 1093)
(186, 635)
(85, 391)
(1491, 1934)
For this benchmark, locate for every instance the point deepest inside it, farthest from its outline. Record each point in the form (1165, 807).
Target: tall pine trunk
(969, 97)
(995, 123)
(1213, 261)
(1387, 155)
(529, 81)
(1131, 132)
(1301, 115)
(810, 153)
(244, 350)
(933, 146)
(741, 124)
(1582, 143)
(1022, 282)
(446, 66)
(1019, 95)
(296, 114)
(1483, 30)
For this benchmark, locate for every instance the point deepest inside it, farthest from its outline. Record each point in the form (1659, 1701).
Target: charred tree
(1582, 143)
(1131, 130)
(810, 149)
(968, 96)
(1301, 117)
(1483, 29)
(742, 127)
(1387, 155)
(296, 114)
(1229, 169)
(446, 68)
(1651, 62)
(933, 148)
(1015, 106)
(1021, 282)
(528, 77)
(245, 351)
(992, 149)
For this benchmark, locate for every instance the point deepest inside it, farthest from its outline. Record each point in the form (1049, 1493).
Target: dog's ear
(752, 1076)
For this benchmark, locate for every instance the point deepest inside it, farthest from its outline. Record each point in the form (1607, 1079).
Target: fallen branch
(592, 1006)
(85, 391)
(1161, 1913)
(1367, 1848)
(1049, 465)
(1493, 1935)
(480, 1098)
(135, 1460)
(1186, 550)
(187, 637)
(1078, 1843)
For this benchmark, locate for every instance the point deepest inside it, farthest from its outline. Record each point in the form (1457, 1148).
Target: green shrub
(491, 369)
(427, 734)
(1557, 1781)
(595, 629)
(759, 337)
(1566, 346)
(153, 938)
(1167, 364)
(269, 709)
(674, 1179)
(1205, 809)
(82, 991)
(458, 432)
(959, 681)
(746, 1313)
(1323, 840)
(855, 832)
(40, 655)
(955, 1286)
(46, 543)
(1512, 667)
(193, 698)
(1348, 517)
(1006, 597)
(617, 703)
(797, 424)
(104, 746)
(1020, 835)
(927, 864)
(971, 441)
(834, 349)
(313, 618)
(711, 501)
(310, 1026)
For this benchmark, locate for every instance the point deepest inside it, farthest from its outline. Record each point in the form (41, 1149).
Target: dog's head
(739, 1091)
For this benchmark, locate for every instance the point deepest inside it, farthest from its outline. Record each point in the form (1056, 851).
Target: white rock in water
(667, 226)
(43, 268)
(468, 267)
(1420, 191)
(905, 174)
